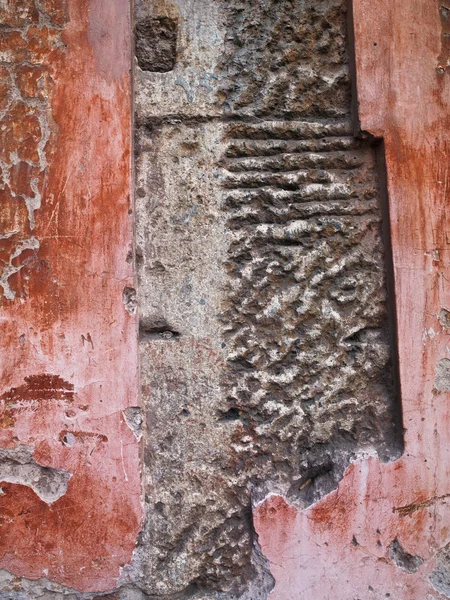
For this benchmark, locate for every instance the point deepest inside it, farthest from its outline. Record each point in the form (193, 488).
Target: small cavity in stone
(444, 318)
(130, 300)
(442, 378)
(156, 44)
(133, 418)
(402, 559)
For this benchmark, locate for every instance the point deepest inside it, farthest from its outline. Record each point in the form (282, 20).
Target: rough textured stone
(440, 578)
(286, 58)
(156, 44)
(264, 333)
(442, 379)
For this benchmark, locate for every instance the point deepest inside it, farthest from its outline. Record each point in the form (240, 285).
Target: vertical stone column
(265, 350)
(70, 506)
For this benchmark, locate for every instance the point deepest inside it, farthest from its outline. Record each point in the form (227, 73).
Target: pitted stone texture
(305, 317)
(264, 341)
(286, 58)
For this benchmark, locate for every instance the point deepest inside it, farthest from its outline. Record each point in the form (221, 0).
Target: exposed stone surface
(264, 338)
(305, 317)
(156, 44)
(18, 466)
(402, 559)
(442, 379)
(286, 58)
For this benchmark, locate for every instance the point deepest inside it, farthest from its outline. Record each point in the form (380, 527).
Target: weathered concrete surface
(385, 532)
(265, 348)
(70, 505)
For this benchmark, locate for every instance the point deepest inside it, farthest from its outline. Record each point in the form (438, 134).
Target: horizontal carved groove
(288, 130)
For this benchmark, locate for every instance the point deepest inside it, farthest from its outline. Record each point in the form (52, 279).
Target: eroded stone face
(265, 349)
(156, 44)
(286, 58)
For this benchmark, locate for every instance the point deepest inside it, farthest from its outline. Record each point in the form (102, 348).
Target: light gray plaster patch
(442, 378)
(18, 466)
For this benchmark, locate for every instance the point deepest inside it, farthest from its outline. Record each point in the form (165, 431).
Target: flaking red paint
(69, 349)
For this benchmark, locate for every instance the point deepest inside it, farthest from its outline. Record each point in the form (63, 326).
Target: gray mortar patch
(440, 578)
(402, 559)
(442, 377)
(444, 318)
(18, 466)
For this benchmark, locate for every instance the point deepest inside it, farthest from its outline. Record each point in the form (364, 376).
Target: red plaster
(69, 348)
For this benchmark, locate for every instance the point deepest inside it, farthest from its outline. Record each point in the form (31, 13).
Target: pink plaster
(69, 321)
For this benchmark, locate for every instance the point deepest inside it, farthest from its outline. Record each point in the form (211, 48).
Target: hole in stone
(232, 414)
(69, 440)
(314, 472)
(156, 44)
(159, 333)
(157, 329)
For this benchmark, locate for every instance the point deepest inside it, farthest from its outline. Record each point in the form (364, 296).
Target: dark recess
(156, 44)
(390, 285)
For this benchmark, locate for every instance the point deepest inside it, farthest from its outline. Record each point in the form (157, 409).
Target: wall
(266, 350)
(70, 494)
(384, 533)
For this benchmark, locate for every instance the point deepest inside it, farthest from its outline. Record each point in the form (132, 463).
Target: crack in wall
(259, 240)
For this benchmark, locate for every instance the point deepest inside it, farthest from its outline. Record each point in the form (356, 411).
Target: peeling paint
(386, 530)
(18, 466)
(442, 378)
